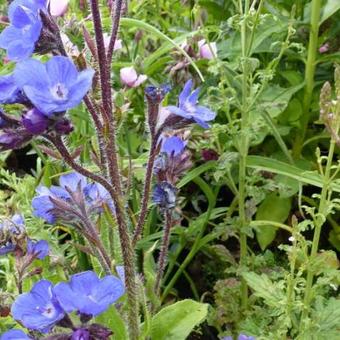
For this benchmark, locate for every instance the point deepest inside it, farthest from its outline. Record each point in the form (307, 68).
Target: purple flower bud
(34, 121)
(100, 332)
(130, 78)
(81, 334)
(13, 139)
(63, 126)
(164, 195)
(156, 94)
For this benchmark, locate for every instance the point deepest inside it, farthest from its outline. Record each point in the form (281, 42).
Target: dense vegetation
(202, 201)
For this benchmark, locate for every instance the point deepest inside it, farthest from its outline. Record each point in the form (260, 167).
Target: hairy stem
(116, 19)
(164, 250)
(146, 193)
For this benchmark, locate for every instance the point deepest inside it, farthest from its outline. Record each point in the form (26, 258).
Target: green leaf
(273, 208)
(176, 321)
(128, 22)
(263, 287)
(113, 321)
(196, 172)
(278, 167)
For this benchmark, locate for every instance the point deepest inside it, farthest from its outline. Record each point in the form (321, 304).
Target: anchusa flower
(130, 78)
(87, 294)
(68, 201)
(9, 91)
(46, 306)
(12, 234)
(188, 111)
(13, 237)
(39, 309)
(20, 37)
(173, 160)
(53, 87)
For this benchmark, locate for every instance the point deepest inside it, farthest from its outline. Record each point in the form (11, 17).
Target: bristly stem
(113, 167)
(146, 192)
(128, 254)
(116, 19)
(164, 249)
(309, 77)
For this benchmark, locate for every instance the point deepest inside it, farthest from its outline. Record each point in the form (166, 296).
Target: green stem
(319, 221)
(309, 76)
(243, 151)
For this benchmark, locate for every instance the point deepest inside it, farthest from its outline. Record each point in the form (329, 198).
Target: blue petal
(21, 17)
(173, 146)
(71, 181)
(8, 89)
(80, 87)
(19, 50)
(201, 122)
(84, 282)
(33, 5)
(67, 298)
(14, 334)
(204, 113)
(193, 98)
(185, 92)
(32, 73)
(61, 70)
(40, 249)
(179, 112)
(8, 35)
(42, 100)
(42, 207)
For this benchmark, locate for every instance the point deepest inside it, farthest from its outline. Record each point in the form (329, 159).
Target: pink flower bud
(118, 43)
(207, 50)
(58, 7)
(129, 77)
(324, 48)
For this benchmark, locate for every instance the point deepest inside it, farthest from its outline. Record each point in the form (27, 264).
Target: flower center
(59, 91)
(189, 107)
(47, 311)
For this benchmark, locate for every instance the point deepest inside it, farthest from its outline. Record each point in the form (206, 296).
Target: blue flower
(173, 146)
(189, 109)
(42, 204)
(38, 310)
(14, 334)
(52, 203)
(25, 26)
(53, 87)
(10, 230)
(164, 195)
(9, 92)
(38, 249)
(88, 294)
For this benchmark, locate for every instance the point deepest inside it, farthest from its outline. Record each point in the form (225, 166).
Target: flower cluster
(172, 161)
(47, 91)
(47, 305)
(73, 200)
(20, 37)
(13, 238)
